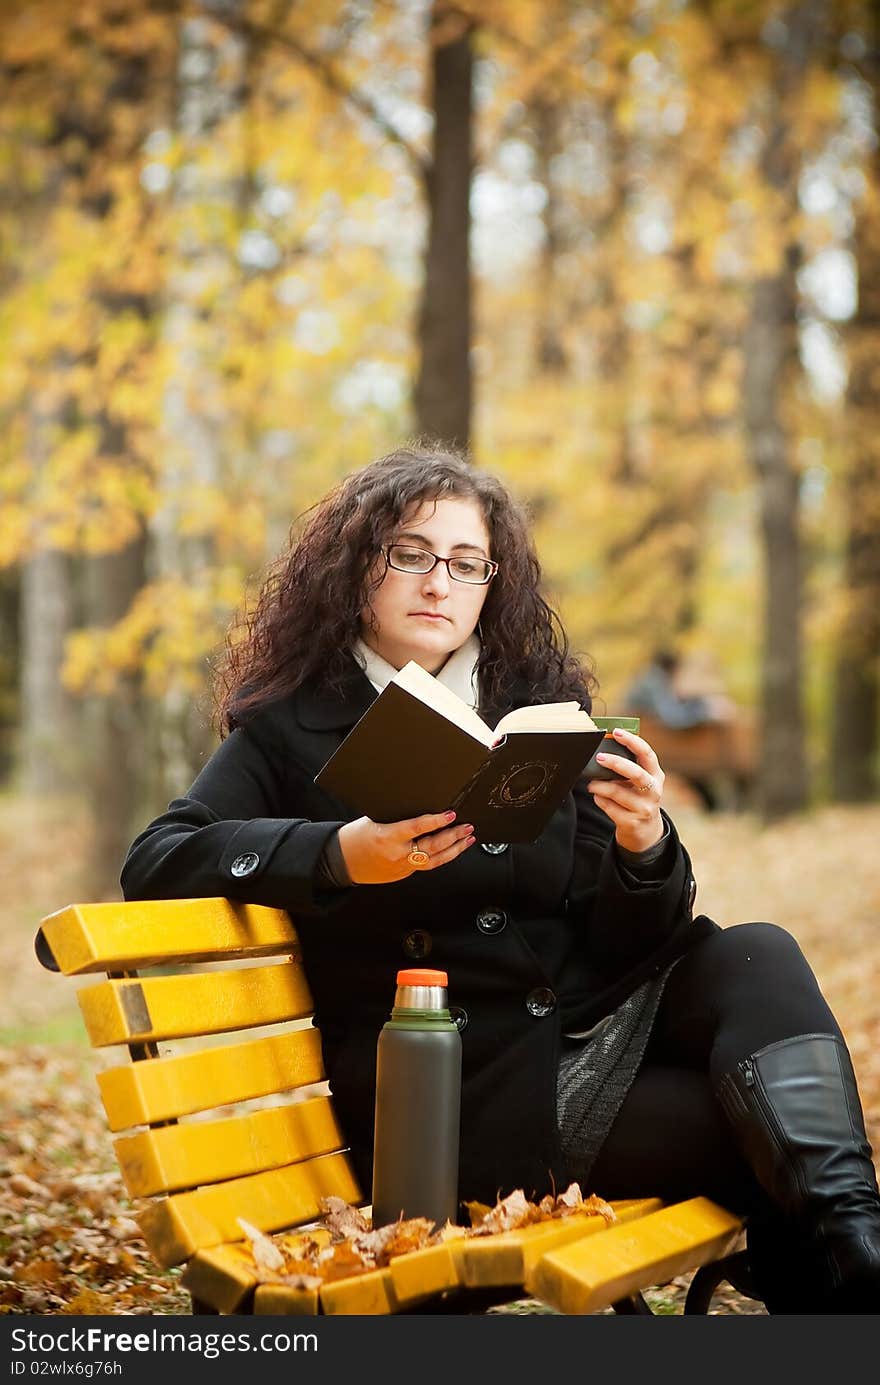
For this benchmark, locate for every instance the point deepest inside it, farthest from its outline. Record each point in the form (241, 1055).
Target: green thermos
(418, 1104)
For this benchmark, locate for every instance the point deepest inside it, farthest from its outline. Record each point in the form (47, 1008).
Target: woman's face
(426, 617)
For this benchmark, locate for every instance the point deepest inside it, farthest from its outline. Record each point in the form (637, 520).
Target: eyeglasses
(419, 561)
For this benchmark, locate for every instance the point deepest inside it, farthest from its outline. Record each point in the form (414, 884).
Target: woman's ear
(368, 614)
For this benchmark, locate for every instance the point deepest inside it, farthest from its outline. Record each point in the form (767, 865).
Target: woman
(608, 1035)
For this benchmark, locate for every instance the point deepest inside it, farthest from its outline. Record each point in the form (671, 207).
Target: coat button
(459, 1017)
(417, 944)
(245, 864)
(492, 921)
(494, 848)
(540, 1002)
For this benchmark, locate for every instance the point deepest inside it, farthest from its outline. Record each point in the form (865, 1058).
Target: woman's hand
(377, 853)
(634, 805)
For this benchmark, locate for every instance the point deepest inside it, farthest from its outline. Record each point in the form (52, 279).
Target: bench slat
(225, 1276)
(176, 1227)
(492, 1261)
(184, 1083)
(198, 1152)
(86, 938)
(427, 1271)
(363, 1295)
(596, 1271)
(279, 1300)
(174, 1007)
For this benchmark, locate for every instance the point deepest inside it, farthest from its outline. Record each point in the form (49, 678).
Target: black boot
(795, 1109)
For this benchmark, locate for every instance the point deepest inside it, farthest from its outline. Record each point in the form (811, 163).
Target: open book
(420, 749)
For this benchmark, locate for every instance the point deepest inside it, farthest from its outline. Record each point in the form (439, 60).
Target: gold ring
(646, 788)
(417, 857)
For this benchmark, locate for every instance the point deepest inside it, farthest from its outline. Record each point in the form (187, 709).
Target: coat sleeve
(627, 918)
(231, 836)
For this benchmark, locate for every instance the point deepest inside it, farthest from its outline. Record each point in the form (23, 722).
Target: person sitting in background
(654, 692)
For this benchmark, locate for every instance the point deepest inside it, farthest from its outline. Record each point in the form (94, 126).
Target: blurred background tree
(625, 252)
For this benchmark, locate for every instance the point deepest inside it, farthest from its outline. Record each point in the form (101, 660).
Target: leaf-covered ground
(68, 1241)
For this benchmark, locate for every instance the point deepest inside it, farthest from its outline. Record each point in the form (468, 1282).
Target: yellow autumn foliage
(202, 329)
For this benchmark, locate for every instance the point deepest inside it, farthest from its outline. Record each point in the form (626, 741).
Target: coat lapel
(318, 709)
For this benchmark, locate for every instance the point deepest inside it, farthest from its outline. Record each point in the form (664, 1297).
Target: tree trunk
(443, 390)
(855, 710)
(210, 90)
(48, 759)
(614, 347)
(10, 660)
(115, 739)
(770, 350)
(49, 754)
(856, 700)
(549, 349)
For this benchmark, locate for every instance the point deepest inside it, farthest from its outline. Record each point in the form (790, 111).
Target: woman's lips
(428, 615)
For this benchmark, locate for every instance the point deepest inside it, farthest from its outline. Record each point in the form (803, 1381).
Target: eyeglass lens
(420, 561)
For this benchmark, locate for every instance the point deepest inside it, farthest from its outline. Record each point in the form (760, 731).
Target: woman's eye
(464, 567)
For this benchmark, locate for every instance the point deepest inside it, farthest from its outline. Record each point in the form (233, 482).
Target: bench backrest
(211, 1125)
(727, 749)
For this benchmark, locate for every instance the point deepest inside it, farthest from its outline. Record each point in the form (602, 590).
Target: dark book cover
(523, 782)
(404, 758)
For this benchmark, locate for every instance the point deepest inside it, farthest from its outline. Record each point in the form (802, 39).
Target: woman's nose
(437, 581)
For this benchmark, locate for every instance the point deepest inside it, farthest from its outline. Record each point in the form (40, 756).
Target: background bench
(220, 1113)
(718, 761)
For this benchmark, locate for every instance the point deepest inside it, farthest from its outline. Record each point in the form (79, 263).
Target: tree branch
(532, 84)
(332, 79)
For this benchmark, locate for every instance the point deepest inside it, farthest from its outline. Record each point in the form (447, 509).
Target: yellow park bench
(221, 1117)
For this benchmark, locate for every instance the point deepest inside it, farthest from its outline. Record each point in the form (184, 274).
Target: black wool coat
(538, 939)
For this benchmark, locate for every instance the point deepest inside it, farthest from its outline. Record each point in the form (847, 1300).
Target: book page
(552, 716)
(433, 693)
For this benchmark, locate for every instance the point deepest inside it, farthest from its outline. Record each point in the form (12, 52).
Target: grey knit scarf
(595, 1075)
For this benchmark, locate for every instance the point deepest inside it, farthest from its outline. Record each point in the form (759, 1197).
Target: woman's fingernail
(620, 733)
(601, 757)
(470, 841)
(449, 816)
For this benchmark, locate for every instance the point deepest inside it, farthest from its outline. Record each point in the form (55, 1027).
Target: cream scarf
(459, 673)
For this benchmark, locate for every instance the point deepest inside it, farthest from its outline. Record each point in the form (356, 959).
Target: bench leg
(202, 1309)
(635, 1304)
(733, 1268)
(468, 1302)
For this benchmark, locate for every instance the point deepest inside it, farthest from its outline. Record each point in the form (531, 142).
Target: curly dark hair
(307, 617)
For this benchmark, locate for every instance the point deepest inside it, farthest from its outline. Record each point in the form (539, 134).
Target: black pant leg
(739, 990)
(670, 1140)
